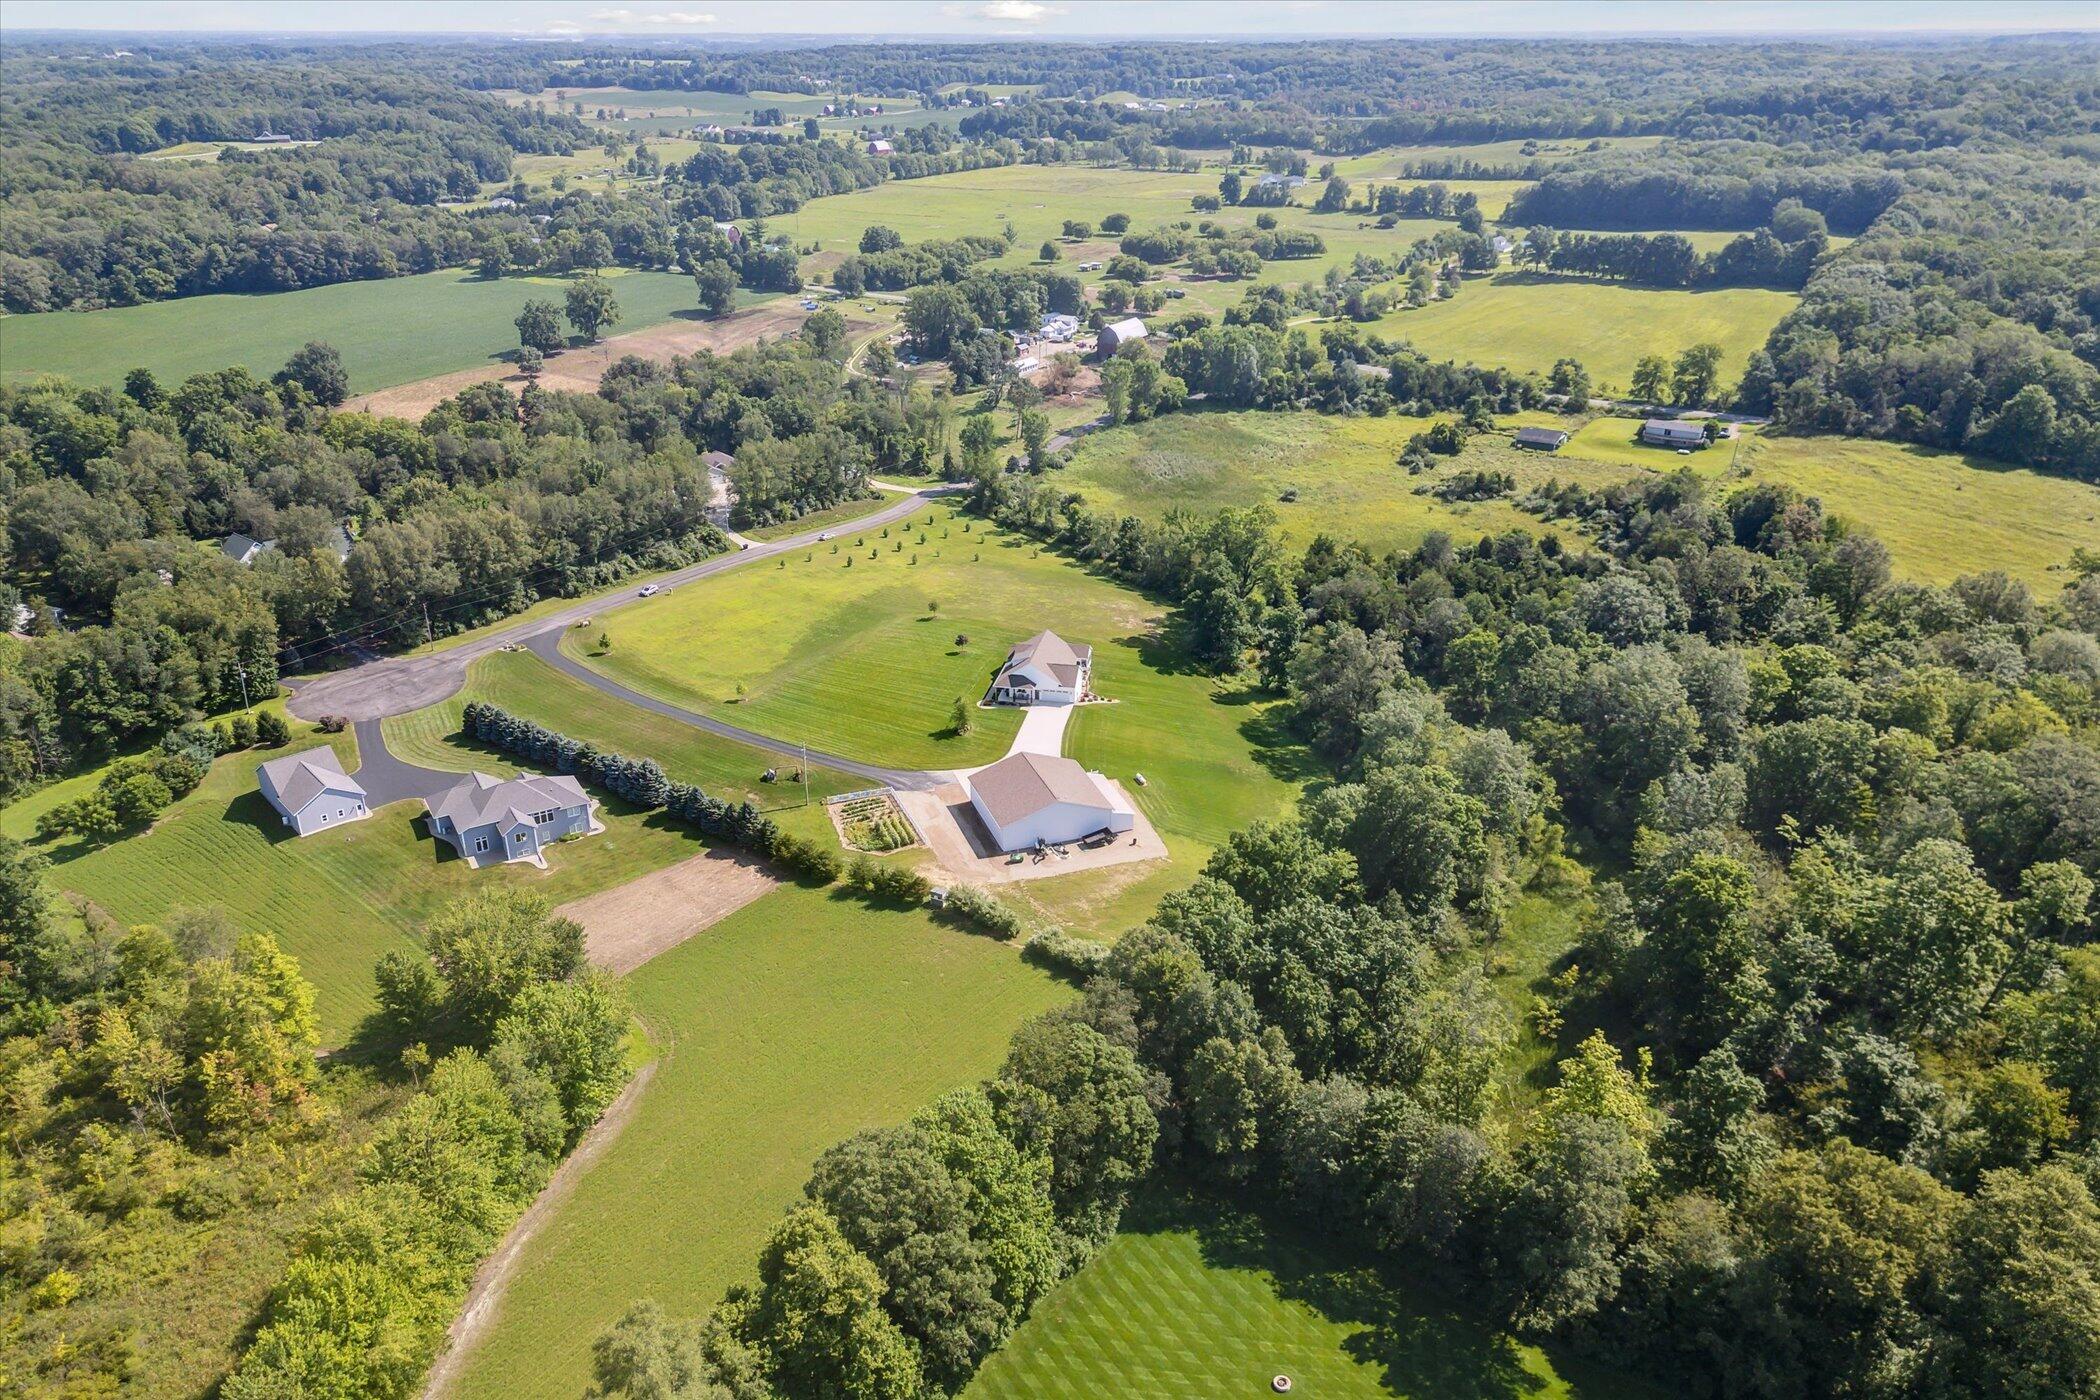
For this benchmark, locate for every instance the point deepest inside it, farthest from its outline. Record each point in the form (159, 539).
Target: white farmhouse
(310, 790)
(1044, 670)
(1031, 799)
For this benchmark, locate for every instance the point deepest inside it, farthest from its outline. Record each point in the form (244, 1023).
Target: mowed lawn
(338, 899)
(390, 331)
(1198, 1299)
(1525, 321)
(792, 1024)
(852, 660)
(528, 687)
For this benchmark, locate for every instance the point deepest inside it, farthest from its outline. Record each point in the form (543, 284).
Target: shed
(1540, 439)
(881, 148)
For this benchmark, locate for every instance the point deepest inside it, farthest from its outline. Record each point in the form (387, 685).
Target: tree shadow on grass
(1416, 1327)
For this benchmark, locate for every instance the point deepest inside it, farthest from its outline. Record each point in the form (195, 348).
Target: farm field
(335, 900)
(390, 331)
(1940, 513)
(793, 1023)
(1344, 470)
(1527, 320)
(1038, 199)
(1193, 1298)
(1387, 162)
(849, 659)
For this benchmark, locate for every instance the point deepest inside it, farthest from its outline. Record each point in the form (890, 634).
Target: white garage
(1026, 799)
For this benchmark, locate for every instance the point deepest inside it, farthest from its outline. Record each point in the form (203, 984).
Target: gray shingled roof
(1052, 652)
(299, 778)
(1022, 784)
(478, 799)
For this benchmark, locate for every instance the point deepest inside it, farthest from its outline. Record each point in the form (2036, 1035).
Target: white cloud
(660, 17)
(1009, 11)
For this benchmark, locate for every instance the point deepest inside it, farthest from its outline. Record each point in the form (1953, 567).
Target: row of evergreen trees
(642, 781)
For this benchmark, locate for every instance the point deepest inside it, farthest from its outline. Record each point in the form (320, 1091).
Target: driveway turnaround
(400, 684)
(386, 778)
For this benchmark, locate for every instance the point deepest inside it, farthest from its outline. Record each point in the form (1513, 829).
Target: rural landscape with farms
(709, 713)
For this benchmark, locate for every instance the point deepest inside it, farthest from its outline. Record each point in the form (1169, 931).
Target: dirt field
(626, 926)
(579, 371)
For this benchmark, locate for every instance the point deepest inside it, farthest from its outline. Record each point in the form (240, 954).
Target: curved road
(547, 647)
(399, 684)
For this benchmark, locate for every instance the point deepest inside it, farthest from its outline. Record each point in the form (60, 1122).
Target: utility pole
(241, 668)
(805, 774)
(426, 620)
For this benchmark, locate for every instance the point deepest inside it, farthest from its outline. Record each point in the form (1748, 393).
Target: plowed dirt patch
(626, 926)
(579, 370)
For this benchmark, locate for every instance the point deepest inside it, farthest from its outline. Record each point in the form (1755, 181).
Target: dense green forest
(1826, 1121)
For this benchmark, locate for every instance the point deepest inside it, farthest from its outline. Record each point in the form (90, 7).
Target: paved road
(400, 684)
(547, 647)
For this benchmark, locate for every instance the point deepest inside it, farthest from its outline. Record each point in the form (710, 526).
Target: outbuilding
(1117, 334)
(310, 791)
(1540, 439)
(1026, 800)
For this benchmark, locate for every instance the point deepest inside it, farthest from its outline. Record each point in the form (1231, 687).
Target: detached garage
(1028, 799)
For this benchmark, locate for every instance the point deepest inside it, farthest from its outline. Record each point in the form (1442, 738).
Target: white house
(1044, 670)
(491, 821)
(1030, 799)
(1666, 432)
(310, 791)
(246, 549)
(1118, 334)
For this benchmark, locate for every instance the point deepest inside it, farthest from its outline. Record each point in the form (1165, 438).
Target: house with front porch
(493, 821)
(1044, 670)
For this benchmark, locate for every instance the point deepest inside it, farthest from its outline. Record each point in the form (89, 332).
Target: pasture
(390, 331)
(1038, 199)
(1940, 513)
(842, 651)
(1527, 320)
(1344, 470)
(1198, 1298)
(795, 1022)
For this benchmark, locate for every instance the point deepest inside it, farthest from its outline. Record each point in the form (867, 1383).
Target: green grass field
(1198, 1299)
(1940, 513)
(527, 686)
(338, 899)
(1526, 321)
(1345, 471)
(793, 1023)
(1038, 199)
(389, 332)
(850, 660)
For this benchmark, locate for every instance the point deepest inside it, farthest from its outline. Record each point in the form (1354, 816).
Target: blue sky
(1057, 18)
